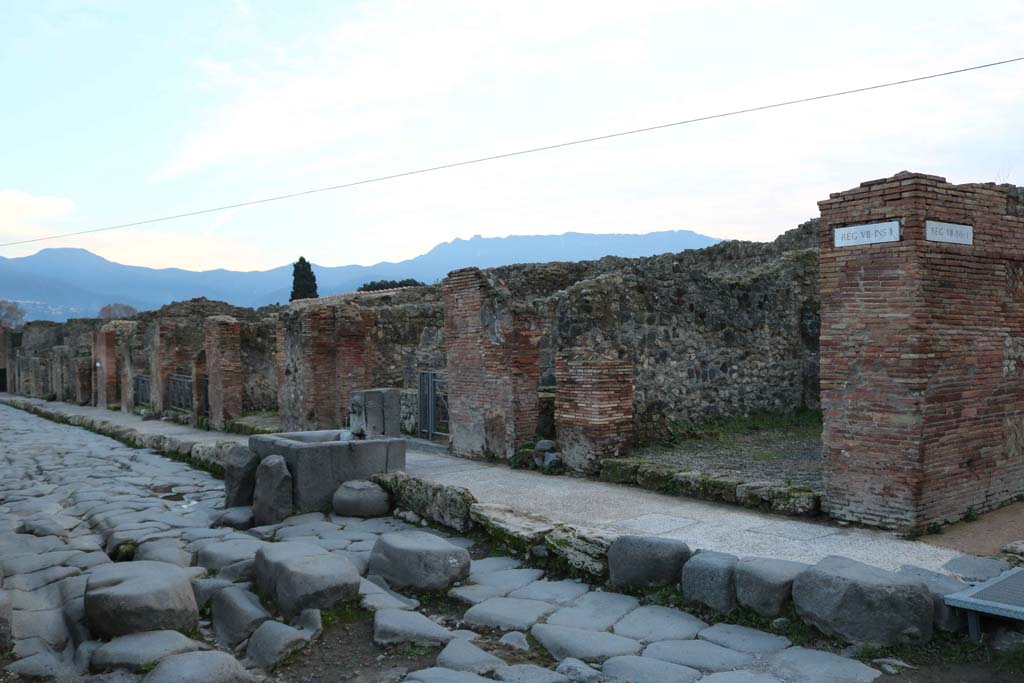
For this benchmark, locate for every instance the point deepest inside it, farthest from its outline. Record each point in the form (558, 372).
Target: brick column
(104, 362)
(353, 358)
(922, 338)
(493, 353)
(593, 408)
(308, 392)
(224, 368)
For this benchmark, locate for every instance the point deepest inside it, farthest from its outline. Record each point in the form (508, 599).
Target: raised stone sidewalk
(619, 509)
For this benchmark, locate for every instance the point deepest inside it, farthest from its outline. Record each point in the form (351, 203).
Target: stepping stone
(595, 611)
(654, 622)
(401, 626)
(315, 581)
(800, 665)
(440, 675)
(129, 597)
(589, 646)
(646, 561)
(507, 614)
(209, 667)
(462, 655)
(138, 652)
(698, 654)
(646, 670)
(205, 589)
(766, 585)
(492, 564)
(708, 579)
(579, 671)
(236, 614)
(237, 518)
(270, 561)
(744, 639)
(358, 498)
(239, 476)
(418, 560)
(741, 677)
(556, 592)
(508, 580)
(529, 673)
(272, 642)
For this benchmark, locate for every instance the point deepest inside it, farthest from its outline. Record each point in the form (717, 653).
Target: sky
(116, 111)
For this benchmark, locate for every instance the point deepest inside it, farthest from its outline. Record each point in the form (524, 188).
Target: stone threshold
(770, 496)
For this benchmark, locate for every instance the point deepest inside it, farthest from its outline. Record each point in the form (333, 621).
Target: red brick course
(593, 408)
(923, 405)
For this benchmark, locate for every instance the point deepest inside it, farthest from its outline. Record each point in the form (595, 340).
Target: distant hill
(56, 284)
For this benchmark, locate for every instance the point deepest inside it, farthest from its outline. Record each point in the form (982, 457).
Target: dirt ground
(986, 535)
(955, 673)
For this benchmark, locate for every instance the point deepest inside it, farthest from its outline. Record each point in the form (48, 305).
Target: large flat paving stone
(596, 611)
(271, 558)
(698, 654)
(192, 667)
(462, 655)
(744, 677)
(129, 597)
(654, 622)
(588, 646)
(139, 652)
(508, 580)
(441, 675)
(744, 639)
(418, 560)
(633, 669)
(563, 592)
(222, 553)
(403, 626)
(529, 673)
(800, 665)
(508, 614)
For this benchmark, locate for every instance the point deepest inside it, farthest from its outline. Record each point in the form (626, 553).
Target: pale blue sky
(117, 111)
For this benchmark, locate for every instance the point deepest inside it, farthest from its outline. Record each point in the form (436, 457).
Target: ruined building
(916, 338)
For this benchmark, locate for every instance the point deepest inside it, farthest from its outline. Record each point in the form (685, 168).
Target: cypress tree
(303, 280)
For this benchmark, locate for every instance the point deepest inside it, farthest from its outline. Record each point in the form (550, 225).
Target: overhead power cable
(521, 152)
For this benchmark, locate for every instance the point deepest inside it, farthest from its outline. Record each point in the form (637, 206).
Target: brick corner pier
(922, 343)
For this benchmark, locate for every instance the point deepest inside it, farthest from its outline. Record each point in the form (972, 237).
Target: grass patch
(347, 614)
(1011, 661)
(415, 651)
(126, 552)
(943, 648)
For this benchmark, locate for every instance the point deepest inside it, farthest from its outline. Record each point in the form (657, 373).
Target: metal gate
(142, 385)
(433, 403)
(179, 392)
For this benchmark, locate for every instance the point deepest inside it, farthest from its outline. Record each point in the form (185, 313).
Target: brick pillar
(593, 408)
(104, 361)
(224, 368)
(493, 356)
(308, 392)
(353, 359)
(922, 350)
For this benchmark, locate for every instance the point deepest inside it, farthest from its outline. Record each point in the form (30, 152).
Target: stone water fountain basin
(320, 461)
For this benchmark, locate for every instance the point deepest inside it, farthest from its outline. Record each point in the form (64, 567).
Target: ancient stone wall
(258, 345)
(922, 388)
(329, 347)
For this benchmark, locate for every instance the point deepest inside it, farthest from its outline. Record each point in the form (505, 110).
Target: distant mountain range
(57, 284)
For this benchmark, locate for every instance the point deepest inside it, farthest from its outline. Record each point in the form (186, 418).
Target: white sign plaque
(935, 231)
(867, 233)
